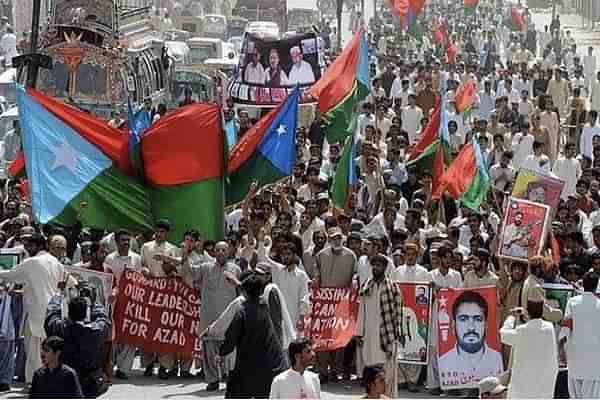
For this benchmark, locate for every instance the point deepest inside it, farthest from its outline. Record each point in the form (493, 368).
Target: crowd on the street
(536, 107)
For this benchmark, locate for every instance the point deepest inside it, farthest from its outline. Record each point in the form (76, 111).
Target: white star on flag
(281, 130)
(65, 156)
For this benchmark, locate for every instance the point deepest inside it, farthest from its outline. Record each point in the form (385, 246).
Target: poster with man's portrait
(415, 314)
(275, 67)
(468, 342)
(538, 188)
(523, 231)
(101, 282)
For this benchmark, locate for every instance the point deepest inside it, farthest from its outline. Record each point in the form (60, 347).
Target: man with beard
(471, 357)
(274, 75)
(310, 255)
(378, 328)
(510, 284)
(259, 356)
(480, 275)
(517, 238)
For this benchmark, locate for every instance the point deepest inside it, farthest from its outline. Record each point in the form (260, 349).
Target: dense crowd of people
(536, 107)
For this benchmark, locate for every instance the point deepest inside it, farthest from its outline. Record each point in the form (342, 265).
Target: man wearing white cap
(301, 72)
(490, 388)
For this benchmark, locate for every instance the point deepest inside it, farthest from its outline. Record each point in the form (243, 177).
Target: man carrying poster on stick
(469, 349)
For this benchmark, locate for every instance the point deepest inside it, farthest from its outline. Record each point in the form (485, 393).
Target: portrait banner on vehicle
(415, 318)
(270, 69)
(331, 324)
(538, 188)
(558, 294)
(468, 341)
(159, 315)
(100, 282)
(523, 230)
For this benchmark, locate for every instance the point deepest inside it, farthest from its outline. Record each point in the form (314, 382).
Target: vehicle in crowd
(237, 41)
(236, 26)
(178, 52)
(101, 56)
(199, 79)
(302, 15)
(214, 26)
(176, 35)
(264, 29)
(188, 21)
(202, 48)
(261, 10)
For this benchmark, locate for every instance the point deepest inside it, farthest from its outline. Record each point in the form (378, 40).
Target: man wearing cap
(301, 72)
(43, 276)
(156, 261)
(410, 272)
(336, 267)
(490, 388)
(581, 335)
(378, 328)
(535, 354)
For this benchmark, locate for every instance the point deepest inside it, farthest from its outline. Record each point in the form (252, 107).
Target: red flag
(459, 175)
(555, 247)
(438, 36)
(451, 53)
(17, 167)
(430, 133)
(399, 7)
(518, 20)
(465, 96)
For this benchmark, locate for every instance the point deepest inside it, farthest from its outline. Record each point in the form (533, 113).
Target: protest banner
(271, 68)
(538, 188)
(415, 314)
(159, 315)
(558, 294)
(523, 230)
(468, 342)
(101, 282)
(331, 324)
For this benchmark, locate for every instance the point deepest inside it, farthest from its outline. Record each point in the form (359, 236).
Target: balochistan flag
(345, 175)
(466, 178)
(399, 7)
(342, 87)
(465, 96)
(266, 153)
(65, 169)
(470, 6)
(431, 154)
(516, 21)
(137, 123)
(184, 170)
(415, 7)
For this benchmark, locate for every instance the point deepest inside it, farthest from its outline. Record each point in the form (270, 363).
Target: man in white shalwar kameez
(378, 330)
(410, 272)
(581, 334)
(41, 274)
(535, 352)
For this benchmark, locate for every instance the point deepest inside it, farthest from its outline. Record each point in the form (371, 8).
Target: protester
(297, 382)
(41, 274)
(490, 388)
(55, 380)
(378, 328)
(84, 338)
(375, 382)
(581, 338)
(259, 356)
(534, 350)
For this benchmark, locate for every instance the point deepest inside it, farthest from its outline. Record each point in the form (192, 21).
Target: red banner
(332, 321)
(159, 315)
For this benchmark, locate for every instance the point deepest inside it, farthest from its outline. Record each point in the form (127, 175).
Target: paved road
(138, 387)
